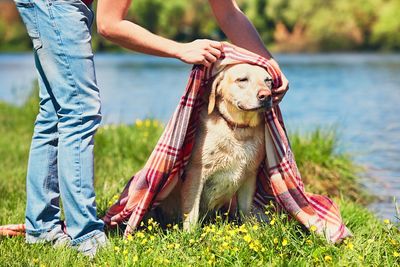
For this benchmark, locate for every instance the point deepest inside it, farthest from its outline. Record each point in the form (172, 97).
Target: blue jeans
(61, 154)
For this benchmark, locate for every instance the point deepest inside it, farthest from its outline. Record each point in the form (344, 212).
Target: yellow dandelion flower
(393, 242)
(276, 240)
(135, 258)
(147, 123)
(272, 222)
(140, 234)
(125, 252)
(309, 242)
(167, 261)
(247, 238)
(360, 257)
(396, 254)
(116, 249)
(177, 245)
(35, 260)
(169, 225)
(313, 228)
(191, 241)
(350, 246)
(386, 221)
(150, 227)
(152, 237)
(170, 246)
(129, 237)
(144, 241)
(284, 242)
(255, 227)
(139, 123)
(175, 227)
(328, 258)
(253, 247)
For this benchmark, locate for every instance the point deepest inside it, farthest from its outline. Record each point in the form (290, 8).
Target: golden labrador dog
(229, 146)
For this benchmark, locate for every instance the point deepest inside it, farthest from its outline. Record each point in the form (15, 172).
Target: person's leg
(42, 209)
(67, 60)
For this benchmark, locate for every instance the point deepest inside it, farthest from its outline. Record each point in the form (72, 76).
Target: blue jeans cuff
(83, 238)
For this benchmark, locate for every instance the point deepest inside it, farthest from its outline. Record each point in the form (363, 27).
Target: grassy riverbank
(121, 150)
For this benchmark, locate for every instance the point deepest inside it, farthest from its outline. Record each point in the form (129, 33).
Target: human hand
(279, 92)
(201, 51)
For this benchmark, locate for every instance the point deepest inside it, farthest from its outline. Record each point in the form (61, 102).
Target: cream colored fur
(225, 158)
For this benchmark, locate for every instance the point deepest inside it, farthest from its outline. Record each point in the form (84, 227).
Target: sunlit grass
(122, 149)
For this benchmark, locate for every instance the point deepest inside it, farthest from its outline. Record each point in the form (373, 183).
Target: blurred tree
(386, 30)
(291, 25)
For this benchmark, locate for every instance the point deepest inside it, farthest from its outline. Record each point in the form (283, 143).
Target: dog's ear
(214, 87)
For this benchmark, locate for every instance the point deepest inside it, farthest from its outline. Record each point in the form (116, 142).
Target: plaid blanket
(278, 179)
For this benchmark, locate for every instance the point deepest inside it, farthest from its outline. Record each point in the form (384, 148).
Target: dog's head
(244, 86)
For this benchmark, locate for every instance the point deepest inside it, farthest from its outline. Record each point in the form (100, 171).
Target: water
(359, 94)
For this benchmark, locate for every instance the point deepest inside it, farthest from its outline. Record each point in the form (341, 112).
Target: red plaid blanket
(278, 180)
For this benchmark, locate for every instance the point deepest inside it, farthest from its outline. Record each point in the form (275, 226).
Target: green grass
(121, 150)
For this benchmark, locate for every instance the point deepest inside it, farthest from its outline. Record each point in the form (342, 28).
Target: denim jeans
(61, 153)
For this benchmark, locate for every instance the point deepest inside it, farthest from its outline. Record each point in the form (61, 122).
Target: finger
(206, 63)
(217, 45)
(277, 98)
(282, 89)
(215, 52)
(210, 57)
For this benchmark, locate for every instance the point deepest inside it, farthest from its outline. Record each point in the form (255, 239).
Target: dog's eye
(268, 81)
(242, 80)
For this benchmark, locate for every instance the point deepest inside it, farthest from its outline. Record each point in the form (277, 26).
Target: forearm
(241, 32)
(111, 24)
(135, 37)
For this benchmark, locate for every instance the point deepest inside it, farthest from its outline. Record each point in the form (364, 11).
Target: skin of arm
(112, 25)
(241, 32)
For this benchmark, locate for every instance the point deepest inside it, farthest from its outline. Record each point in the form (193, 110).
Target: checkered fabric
(279, 179)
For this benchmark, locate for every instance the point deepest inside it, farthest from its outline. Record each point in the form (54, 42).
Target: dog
(229, 146)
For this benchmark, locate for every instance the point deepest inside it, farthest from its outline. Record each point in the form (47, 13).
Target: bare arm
(237, 27)
(241, 32)
(112, 25)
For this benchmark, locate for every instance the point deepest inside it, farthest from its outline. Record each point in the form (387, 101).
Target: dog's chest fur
(228, 156)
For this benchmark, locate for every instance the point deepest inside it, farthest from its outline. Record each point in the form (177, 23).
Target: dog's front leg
(246, 192)
(191, 193)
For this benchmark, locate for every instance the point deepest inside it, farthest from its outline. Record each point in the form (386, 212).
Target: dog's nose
(263, 94)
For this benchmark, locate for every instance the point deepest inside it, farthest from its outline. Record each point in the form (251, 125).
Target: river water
(358, 94)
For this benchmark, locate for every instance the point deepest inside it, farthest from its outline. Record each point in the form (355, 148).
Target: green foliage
(316, 24)
(323, 168)
(385, 32)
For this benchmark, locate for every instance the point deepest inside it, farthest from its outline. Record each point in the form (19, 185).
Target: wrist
(176, 50)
